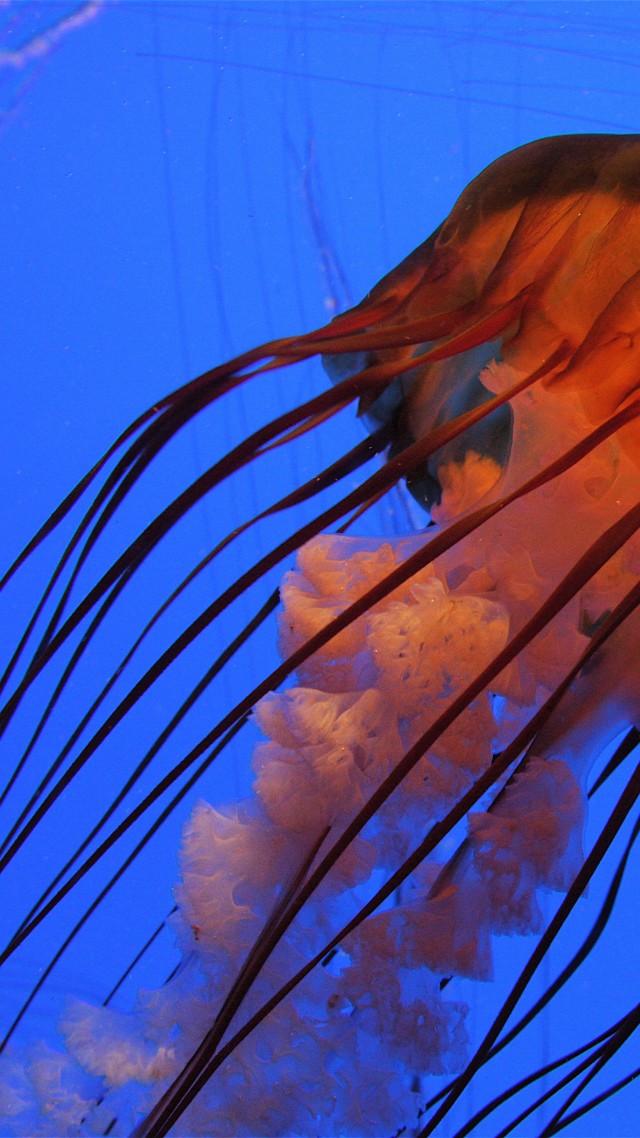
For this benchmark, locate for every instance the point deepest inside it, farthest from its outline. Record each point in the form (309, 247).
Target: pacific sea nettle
(423, 776)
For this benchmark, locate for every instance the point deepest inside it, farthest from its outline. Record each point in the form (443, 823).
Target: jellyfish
(432, 736)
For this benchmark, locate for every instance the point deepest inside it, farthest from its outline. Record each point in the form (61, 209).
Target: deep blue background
(180, 181)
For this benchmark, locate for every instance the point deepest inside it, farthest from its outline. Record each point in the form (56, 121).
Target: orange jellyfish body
(464, 678)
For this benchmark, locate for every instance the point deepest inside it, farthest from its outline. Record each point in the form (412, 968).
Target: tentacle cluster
(425, 777)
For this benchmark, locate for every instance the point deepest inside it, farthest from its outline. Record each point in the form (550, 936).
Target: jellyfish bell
(423, 777)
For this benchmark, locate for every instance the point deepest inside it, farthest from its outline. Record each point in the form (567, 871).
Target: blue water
(181, 181)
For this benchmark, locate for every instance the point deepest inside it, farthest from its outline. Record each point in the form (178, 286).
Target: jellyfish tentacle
(114, 491)
(337, 470)
(349, 461)
(458, 530)
(433, 549)
(382, 479)
(169, 1108)
(550, 991)
(611, 828)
